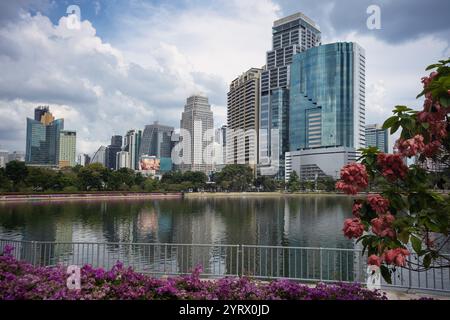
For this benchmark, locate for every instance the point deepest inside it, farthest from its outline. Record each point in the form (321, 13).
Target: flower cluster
(411, 147)
(353, 228)
(21, 280)
(382, 226)
(379, 204)
(354, 178)
(392, 166)
(395, 256)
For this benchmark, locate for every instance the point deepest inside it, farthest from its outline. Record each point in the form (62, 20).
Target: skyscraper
(99, 156)
(156, 140)
(112, 150)
(327, 97)
(243, 118)
(327, 108)
(122, 160)
(40, 111)
(290, 35)
(378, 137)
(220, 151)
(132, 143)
(83, 159)
(67, 148)
(42, 141)
(197, 121)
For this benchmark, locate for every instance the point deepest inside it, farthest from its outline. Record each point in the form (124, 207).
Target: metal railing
(308, 264)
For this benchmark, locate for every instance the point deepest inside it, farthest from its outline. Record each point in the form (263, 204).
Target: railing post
(33, 245)
(320, 261)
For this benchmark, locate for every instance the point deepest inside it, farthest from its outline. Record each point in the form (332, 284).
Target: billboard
(150, 164)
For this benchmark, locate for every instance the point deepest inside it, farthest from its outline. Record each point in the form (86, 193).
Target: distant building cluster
(303, 111)
(47, 143)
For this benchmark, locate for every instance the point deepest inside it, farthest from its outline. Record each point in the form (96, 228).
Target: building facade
(378, 137)
(327, 97)
(243, 119)
(122, 160)
(83, 159)
(157, 141)
(42, 139)
(112, 150)
(4, 158)
(67, 149)
(315, 163)
(99, 156)
(132, 144)
(197, 132)
(290, 35)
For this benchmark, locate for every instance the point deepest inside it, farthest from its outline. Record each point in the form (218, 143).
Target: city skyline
(97, 109)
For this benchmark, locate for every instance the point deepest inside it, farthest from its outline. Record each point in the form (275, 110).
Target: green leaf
(445, 101)
(416, 244)
(395, 127)
(403, 237)
(390, 122)
(386, 274)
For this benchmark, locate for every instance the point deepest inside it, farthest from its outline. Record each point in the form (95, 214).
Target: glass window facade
(327, 86)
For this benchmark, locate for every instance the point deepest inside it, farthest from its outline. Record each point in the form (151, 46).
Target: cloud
(153, 66)
(86, 81)
(401, 20)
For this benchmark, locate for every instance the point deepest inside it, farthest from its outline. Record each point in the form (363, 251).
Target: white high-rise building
(122, 160)
(197, 122)
(99, 156)
(132, 144)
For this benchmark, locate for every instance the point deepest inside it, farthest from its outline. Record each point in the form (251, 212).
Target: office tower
(290, 35)
(243, 118)
(83, 159)
(327, 108)
(327, 97)
(42, 141)
(67, 148)
(197, 120)
(99, 156)
(157, 141)
(116, 141)
(132, 143)
(16, 156)
(40, 111)
(221, 141)
(122, 160)
(378, 137)
(112, 150)
(4, 158)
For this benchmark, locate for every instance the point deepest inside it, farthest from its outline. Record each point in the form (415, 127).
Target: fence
(218, 260)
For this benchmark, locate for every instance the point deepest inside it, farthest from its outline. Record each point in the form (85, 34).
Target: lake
(301, 220)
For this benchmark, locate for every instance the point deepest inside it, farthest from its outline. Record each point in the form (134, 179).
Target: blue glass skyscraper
(43, 133)
(292, 34)
(327, 97)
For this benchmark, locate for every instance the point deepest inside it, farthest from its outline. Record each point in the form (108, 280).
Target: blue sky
(135, 62)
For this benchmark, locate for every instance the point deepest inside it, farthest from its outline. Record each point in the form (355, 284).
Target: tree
(326, 184)
(16, 171)
(406, 213)
(5, 183)
(235, 177)
(265, 183)
(293, 184)
(91, 177)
